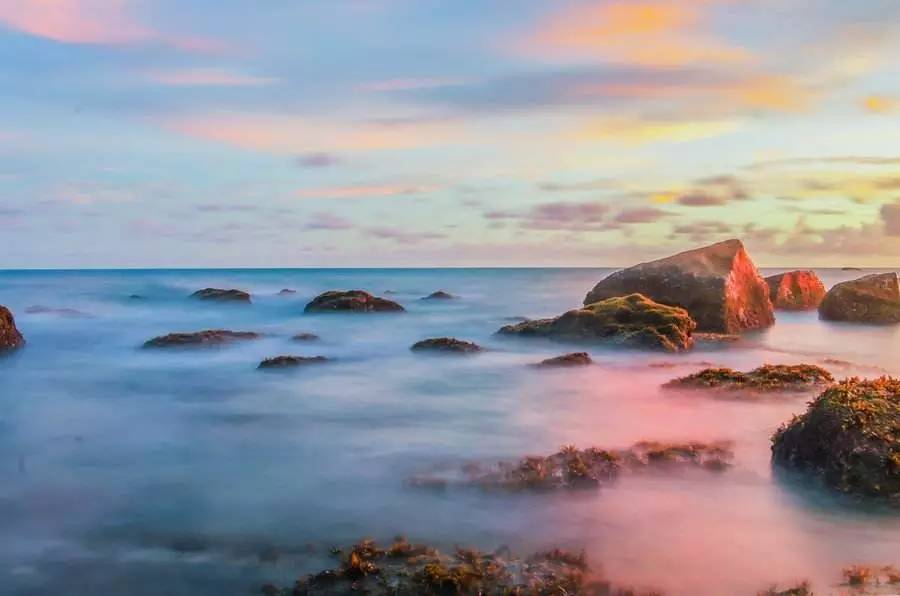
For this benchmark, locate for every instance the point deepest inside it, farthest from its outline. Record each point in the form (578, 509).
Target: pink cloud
(410, 84)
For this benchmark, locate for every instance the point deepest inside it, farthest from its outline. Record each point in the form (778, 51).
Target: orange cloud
(880, 104)
(638, 130)
(360, 191)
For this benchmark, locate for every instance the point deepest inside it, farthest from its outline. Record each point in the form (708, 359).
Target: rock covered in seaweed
(289, 361)
(351, 301)
(849, 437)
(207, 337)
(570, 359)
(446, 344)
(718, 285)
(766, 378)
(221, 295)
(873, 299)
(796, 290)
(632, 320)
(10, 337)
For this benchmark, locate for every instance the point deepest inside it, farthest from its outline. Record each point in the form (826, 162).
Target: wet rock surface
(570, 359)
(305, 337)
(206, 337)
(796, 290)
(290, 361)
(220, 295)
(440, 295)
(849, 438)
(632, 320)
(873, 299)
(718, 285)
(10, 337)
(446, 344)
(62, 312)
(351, 301)
(766, 378)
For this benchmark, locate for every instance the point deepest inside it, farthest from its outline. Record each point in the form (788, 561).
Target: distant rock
(222, 295)
(570, 359)
(796, 290)
(136, 297)
(446, 344)
(766, 378)
(9, 334)
(287, 292)
(873, 299)
(850, 269)
(351, 301)
(718, 285)
(291, 361)
(207, 337)
(63, 312)
(632, 320)
(439, 295)
(306, 337)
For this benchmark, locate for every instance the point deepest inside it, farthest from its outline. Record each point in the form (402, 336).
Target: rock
(136, 297)
(291, 361)
(306, 337)
(446, 344)
(222, 295)
(570, 359)
(632, 320)
(351, 301)
(796, 290)
(287, 292)
(873, 299)
(439, 295)
(766, 378)
(850, 269)
(515, 319)
(9, 334)
(199, 338)
(63, 312)
(718, 285)
(849, 438)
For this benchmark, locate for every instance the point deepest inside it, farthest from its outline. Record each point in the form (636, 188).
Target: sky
(355, 133)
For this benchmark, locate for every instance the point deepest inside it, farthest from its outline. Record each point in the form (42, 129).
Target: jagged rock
(9, 334)
(351, 301)
(199, 338)
(718, 285)
(570, 359)
(632, 320)
(439, 295)
(766, 378)
(870, 299)
(796, 290)
(291, 361)
(306, 337)
(446, 344)
(222, 295)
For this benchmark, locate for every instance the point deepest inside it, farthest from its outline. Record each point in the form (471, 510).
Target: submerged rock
(570, 359)
(291, 361)
(9, 334)
(351, 301)
(632, 320)
(796, 290)
(222, 295)
(439, 295)
(766, 378)
(199, 338)
(849, 437)
(446, 344)
(306, 337)
(63, 312)
(287, 292)
(718, 285)
(870, 299)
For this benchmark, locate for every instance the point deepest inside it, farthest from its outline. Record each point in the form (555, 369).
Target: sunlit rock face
(718, 285)
(873, 299)
(9, 335)
(796, 290)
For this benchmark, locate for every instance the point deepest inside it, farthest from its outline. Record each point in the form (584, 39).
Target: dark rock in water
(718, 285)
(287, 292)
(9, 334)
(766, 378)
(439, 295)
(796, 290)
(136, 297)
(849, 438)
(873, 299)
(222, 295)
(291, 361)
(351, 301)
(850, 269)
(632, 320)
(199, 338)
(306, 337)
(446, 344)
(570, 359)
(63, 312)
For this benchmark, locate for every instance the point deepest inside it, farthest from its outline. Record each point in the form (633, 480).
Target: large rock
(766, 378)
(632, 320)
(9, 335)
(446, 344)
(222, 295)
(289, 361)
(796, 290)
(199, 338)
(351, 301)
(870, 299)
(718, 285)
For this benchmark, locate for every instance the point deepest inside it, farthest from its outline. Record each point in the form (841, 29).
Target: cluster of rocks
(766, 378)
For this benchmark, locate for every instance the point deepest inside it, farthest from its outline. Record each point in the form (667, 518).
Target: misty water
(125, 470)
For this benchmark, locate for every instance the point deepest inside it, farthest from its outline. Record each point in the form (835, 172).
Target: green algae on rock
(766, 378)
(849, 438)
(632, 320)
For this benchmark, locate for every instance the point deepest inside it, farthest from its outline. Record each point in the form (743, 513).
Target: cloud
(558, 215)
(409, 84)
(702, 231)
(327, 221)
(857, 160)
(880, 104)
(205, 77)
(701, 199)
(642, 130)
(317, 160)
(402, 236)
(361, 191)
(600, 184)
(640, 215)
(890, 214)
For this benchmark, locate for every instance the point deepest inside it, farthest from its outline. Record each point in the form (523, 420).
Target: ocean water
(125, 470)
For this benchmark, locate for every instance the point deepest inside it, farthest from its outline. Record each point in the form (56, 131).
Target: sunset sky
(301, 133)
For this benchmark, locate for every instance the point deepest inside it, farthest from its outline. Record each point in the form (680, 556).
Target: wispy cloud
(328, 221)
(206, 77)
(403, 236)
(361, 191)
(890, 214)
(317, 160)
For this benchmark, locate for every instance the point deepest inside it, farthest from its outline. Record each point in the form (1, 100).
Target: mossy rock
(849, 438)
(766, 378)
(351, 301)
(446, 344)
(289, 361)
(632, 320)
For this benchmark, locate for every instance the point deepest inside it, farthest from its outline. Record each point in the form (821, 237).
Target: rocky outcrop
(849, 438)
(291, 361)
(796, 290)
(439, 295)
(718, 285)
(305, 337)
(351, 301)
(9, 334)
(632, 320)
(207, 337)
(570, 359)
(446, 344)
(873, 299)
(766, 378)
(222, 295)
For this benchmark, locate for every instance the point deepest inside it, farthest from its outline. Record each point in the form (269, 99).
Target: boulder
(287, 292)
(796, 290)
(439, 295)
(199, 338)
(222, 295)
(766, 378)
(351, 301)
(871, 299)
(446, 344)
(291, 361)
(570, 359)
(62, 312)
(632, 320)
(718, 285)
(848, 438)
(9, 335)
(306, 337)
